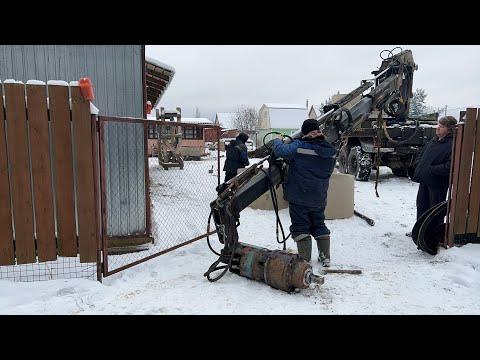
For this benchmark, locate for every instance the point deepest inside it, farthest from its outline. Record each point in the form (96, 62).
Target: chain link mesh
(62, 268)
(182, 178)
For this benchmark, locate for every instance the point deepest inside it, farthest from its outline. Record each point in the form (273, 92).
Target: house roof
(158, 77)
(202, 121)
(284, 106)
(315, 107)
(224, 119)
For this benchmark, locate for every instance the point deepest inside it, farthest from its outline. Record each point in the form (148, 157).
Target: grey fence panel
(125, 178)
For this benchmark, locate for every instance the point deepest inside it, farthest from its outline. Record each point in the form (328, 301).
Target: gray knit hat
(448, 121)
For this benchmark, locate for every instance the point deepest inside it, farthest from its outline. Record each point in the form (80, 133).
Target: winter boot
(323, 245)
(304, 246)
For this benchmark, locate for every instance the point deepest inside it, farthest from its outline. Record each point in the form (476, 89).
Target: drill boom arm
(391, 94)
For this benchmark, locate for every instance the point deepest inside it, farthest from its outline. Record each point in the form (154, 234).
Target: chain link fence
(157, 202)
(62, 268)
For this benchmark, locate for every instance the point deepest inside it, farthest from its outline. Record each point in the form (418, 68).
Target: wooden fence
(46, 154)
(463, 205)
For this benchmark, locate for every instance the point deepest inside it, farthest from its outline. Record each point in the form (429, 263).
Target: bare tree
(197, 113)
(245, 118)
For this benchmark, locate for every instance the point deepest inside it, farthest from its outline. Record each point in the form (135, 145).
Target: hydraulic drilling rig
(389, 92)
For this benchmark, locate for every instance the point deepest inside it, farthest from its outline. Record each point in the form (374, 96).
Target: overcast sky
(218, 78)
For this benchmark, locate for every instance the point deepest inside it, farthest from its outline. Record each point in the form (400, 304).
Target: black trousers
(229, 176)
(307, 220)
(428, 197)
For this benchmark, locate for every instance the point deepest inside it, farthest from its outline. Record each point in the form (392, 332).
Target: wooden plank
(41, 172)
(128, 241)
(474, 205)
(20, 172)
(454, 185)
(82, 138)
(7, 255)
(464, 173)
(63, 169)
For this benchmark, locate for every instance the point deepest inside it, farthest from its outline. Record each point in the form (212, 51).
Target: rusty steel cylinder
(279, 269)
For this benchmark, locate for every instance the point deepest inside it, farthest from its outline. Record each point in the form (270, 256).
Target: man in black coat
(432, 170)
(236, 157)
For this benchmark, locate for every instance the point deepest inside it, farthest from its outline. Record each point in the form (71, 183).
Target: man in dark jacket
(237, 156)
(432, 169)
(312, 160)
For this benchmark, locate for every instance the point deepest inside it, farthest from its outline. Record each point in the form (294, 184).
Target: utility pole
(445, 110)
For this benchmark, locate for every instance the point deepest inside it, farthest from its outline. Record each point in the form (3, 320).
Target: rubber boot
(323, 245)
(304, 247)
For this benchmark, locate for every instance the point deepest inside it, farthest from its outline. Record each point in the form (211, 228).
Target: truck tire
(343, 159)
(359, 164)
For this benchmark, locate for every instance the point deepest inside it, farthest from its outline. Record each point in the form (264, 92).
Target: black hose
(214, 267)
(208, 231)
(273, 194)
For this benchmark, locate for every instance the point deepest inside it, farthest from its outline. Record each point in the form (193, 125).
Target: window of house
(193, 133)
(152, 132)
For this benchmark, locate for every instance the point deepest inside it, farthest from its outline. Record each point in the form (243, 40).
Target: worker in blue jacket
(312, 160)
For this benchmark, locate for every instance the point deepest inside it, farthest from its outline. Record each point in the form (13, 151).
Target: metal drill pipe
(279, 269)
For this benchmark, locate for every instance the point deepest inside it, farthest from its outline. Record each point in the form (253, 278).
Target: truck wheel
(343, 159)
(359, 164)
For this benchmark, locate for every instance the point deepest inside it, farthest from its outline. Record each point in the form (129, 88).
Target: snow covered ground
(397, 278)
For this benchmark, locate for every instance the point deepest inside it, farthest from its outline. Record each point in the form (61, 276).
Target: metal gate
(152, 205)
